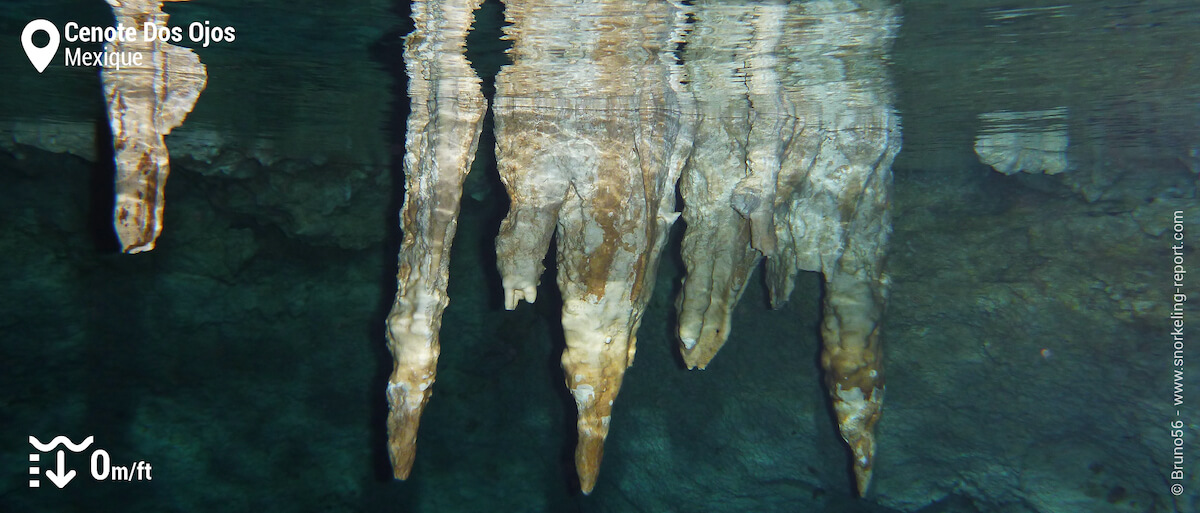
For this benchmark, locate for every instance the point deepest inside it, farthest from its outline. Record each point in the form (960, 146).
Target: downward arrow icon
(63, 476)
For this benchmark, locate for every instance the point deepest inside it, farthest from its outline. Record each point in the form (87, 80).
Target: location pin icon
(40, 57)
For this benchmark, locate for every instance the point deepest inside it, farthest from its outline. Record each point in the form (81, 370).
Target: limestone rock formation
(797, 139)
(145, 102)
(1028, 141)
(443, 134)
(592, 130)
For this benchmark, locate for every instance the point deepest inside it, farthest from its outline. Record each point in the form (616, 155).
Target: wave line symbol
(60, 440)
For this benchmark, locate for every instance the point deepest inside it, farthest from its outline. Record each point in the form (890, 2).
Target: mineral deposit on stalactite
(443, 134)
(145, 102)
(812, 193)
(592, 131)
(1029, 141)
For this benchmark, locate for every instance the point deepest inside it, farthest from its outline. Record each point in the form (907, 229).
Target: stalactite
(833, 197)
(716, 247)
(443, 134)
(145, 102)
(592, 131)
(798, 139)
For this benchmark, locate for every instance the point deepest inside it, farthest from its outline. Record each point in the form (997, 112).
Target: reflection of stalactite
(1029, 141)
(592, 132)
(793, 162)
(144, 104)
(443, 133)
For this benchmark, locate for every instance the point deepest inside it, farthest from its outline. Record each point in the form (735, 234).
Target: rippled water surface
(1125, 74)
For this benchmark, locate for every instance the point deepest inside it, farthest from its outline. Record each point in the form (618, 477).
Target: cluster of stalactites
(785, 124)
(792, 162)
(145, 102)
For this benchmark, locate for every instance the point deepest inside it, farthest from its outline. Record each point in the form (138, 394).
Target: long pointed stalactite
(145, 102)
(833, 196)
(443, 134)
(592, 130)
(777, 129)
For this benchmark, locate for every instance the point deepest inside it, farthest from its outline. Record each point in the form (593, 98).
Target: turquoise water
(1027, 339)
